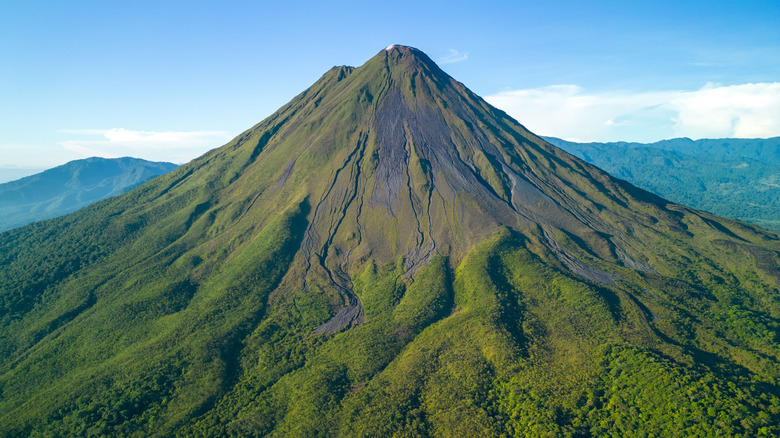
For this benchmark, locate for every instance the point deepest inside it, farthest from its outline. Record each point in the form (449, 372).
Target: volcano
(389, 255)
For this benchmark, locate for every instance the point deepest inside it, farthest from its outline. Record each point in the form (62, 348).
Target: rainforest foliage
(731, 177)
(503, 344)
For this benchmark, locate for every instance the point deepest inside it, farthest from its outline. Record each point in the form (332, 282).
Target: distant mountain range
(737, 178)
(73, 185)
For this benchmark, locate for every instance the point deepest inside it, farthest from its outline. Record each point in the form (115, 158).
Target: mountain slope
(73, 185)
(736, 178)
(388, 254)
(13, 173)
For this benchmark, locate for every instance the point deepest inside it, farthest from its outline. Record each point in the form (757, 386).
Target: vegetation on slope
(506, 343)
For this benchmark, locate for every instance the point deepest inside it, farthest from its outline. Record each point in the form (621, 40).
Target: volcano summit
(388, 255)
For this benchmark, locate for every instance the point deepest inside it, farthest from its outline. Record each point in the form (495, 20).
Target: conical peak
(402, 49)
(405, 61)
(399, 54)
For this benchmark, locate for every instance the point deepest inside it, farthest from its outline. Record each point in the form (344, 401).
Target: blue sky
(169, 80)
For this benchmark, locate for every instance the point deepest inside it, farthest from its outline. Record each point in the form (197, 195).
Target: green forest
(736, 178)
(501, 345)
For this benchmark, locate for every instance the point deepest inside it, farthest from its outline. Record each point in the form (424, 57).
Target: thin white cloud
(454, 56)
(33, 156)
(714, 111)
(174, 146)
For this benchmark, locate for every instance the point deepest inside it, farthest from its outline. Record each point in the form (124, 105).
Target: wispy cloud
(714, 111)
(175, 146)
(33, 156)
(454, 56)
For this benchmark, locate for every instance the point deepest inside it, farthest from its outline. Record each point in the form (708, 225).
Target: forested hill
(732, 177)
(73, 185)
